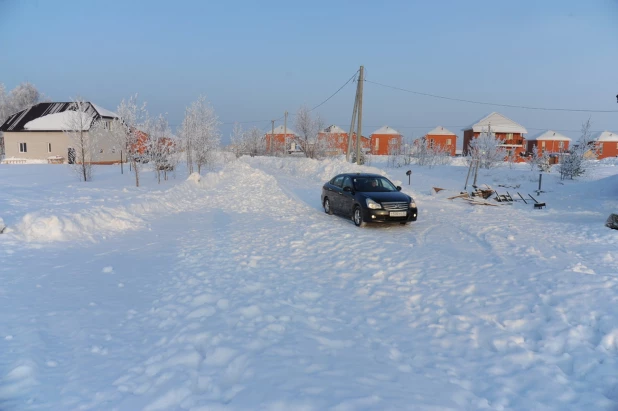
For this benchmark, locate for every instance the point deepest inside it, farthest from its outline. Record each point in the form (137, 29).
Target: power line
(338, 90)
(490, 104)
(290, 115)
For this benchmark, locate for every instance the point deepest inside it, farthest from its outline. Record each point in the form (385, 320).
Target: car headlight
(372, 204)
(412, 204)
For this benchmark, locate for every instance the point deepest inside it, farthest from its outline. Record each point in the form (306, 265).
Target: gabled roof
(334, 130)
(281, 130)
(606, 136)
(549, 135)
(499, 124)
(386, 130)
(440, 131)
(39, 115)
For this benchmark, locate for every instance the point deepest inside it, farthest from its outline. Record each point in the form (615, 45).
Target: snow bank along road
(251, 297)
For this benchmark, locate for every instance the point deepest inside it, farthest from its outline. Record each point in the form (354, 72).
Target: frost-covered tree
(308, 127)
(23, 96)
(487, 149)
(576, 162)
(237, 139)
(426, 153)
(133, 117)
(538, 160)
(83, 132)
(160, 146)
(200, 134)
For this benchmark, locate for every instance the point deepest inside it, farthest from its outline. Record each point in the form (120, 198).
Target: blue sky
(255, 59)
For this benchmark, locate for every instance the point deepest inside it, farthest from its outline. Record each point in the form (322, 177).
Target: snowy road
(256, 299)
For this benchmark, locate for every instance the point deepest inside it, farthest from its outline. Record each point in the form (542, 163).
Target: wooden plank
(462, 195)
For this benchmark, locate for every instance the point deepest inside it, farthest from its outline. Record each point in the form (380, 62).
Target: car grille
(395, 206)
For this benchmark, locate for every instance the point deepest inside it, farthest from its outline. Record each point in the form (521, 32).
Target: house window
(448, 141)
(509, 136)
(600, 149)
(561, 145)
(377, 143)
(542, 144)
(49, 147)
(23, 148)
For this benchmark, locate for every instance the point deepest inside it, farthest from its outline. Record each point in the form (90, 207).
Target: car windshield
(373, 184)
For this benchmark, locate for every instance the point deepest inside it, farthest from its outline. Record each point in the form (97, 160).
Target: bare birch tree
(132, 140)
(159, 145)
(308, 128)
(237, 139)
(83, 132)
(200, 134)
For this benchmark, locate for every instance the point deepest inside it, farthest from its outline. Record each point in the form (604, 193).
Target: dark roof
(17, 121)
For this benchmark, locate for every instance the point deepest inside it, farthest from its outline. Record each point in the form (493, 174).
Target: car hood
(393, 196)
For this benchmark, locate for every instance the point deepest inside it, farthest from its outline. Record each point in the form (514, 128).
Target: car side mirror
(398, 188)
(348, 188)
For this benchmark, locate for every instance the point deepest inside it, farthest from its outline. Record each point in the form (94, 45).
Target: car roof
(360, 175)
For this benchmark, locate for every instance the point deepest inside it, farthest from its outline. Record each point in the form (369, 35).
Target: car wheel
(404, 223)
(357, 217)
(326, 205)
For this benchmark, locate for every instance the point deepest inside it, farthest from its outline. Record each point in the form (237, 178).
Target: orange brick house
(385, 140)
(281, 141)
(335, 140)
(505, 129)
(606, 144)
(550, 142)
(442, 138)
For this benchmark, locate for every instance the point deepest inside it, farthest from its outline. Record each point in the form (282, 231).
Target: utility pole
(285, 130)
(350, 141)
(272, 136)
(361, 79)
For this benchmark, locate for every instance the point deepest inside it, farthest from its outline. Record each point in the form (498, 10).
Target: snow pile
(315, 170)
(97, 221)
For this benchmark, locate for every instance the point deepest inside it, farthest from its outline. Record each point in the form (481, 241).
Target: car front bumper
(384, 216)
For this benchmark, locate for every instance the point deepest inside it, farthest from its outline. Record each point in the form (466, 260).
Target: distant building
(505, 129)
(442, 138)
(280, 140)
(606, 144)
(385, 140)
(550, 142)
(40, 133)
(334, 140)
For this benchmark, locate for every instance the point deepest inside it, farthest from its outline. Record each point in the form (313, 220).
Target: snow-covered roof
(440, 131)
(499, 124)
(334, 130)
(386, 130)
(549, 135)
(606, 136)
(104, 112)
(281, 130)
(65, 120)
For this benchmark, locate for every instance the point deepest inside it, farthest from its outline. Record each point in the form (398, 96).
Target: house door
(71, 156)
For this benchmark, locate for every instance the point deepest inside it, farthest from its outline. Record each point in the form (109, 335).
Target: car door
(346, 199)
(334, 193)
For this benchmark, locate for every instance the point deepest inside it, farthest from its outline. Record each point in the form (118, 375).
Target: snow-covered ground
(236, 291)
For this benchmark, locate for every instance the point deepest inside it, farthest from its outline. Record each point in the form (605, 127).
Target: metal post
(540, 180)
(121, 166)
